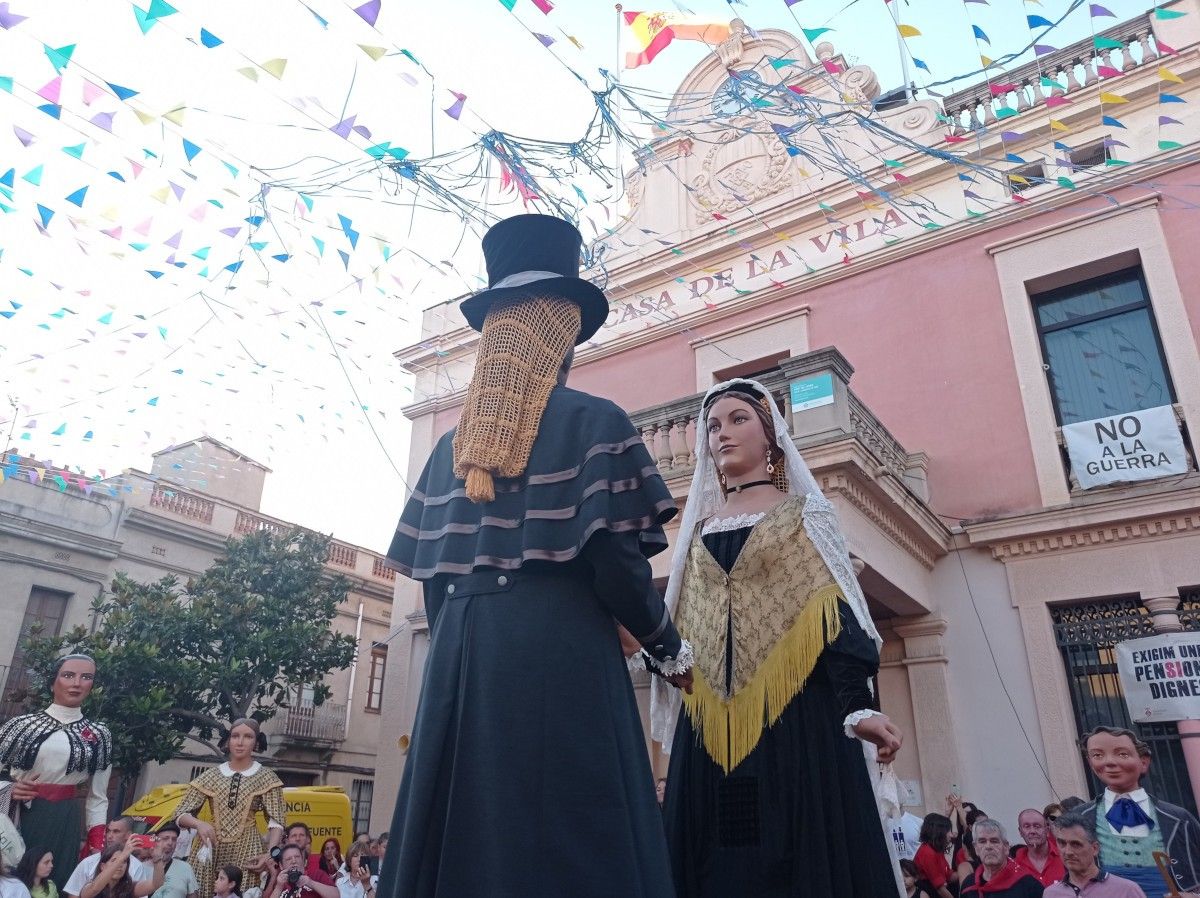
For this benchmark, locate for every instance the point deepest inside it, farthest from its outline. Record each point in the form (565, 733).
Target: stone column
(925, 659)
(1163, 605)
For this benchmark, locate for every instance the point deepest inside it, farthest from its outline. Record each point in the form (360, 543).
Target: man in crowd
(1039, 853)
(300, 835)
(998, 875)
(1079, 847)
(293, 881)
(117, 832)
(179, 880)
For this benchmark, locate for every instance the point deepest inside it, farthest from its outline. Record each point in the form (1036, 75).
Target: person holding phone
(354, 879)
(112, 879)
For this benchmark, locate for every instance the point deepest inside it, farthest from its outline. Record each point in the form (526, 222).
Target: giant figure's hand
(682, 681)
(883, 734)
(25, 789)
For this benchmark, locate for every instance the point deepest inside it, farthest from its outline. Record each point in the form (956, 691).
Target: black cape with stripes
(588, 470)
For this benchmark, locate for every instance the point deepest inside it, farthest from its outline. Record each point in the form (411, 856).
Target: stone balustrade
(182, 504)
(670, 431)
(1052, 78)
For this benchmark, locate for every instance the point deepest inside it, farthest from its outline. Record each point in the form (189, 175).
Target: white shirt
(85, 872)
(348, 888)
(11, 887)
(1143, 802)
(51, 766)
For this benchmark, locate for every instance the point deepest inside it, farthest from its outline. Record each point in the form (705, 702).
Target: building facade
(63, 537)
(935, 340)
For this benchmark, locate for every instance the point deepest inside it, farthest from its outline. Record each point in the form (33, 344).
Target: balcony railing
(181, 504)
(669, 431)
(342, 555)
(252, 523)
(380, 569)
(1065, 72)
(310, 723)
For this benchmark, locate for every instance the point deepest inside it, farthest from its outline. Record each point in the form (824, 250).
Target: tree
(241, 640)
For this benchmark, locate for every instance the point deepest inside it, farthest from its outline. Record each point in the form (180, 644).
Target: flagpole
(620, 172)
(909, 89)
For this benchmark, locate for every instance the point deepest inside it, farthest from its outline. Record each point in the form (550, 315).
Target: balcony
(669, 430)
(316, 724)
(880, 488)
(182, 504)
(1054, 77)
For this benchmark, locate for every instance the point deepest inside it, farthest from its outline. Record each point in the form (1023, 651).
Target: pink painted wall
(929, 341)
(1181, 224)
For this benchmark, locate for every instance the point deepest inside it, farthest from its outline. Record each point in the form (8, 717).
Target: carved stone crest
(739, 169)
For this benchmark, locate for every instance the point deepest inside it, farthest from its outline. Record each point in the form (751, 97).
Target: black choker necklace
(746, 486)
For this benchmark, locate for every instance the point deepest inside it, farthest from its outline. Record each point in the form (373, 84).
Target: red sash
(56, 792)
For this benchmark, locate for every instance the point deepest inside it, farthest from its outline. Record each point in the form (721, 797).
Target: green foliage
(180, 663)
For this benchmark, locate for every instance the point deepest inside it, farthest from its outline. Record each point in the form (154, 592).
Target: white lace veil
(704, 500)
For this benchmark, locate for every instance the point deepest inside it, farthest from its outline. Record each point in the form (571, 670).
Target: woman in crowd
(331, 857)
(112, 878)
(34, 870)
(228, 883)
(355, 879)
(236, 792)
(762, 588)
(931, 856)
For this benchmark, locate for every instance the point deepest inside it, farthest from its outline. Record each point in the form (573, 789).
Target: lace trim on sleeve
(636, 662)
(673, 667)
(853, 720)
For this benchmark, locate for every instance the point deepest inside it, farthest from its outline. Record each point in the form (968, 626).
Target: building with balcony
(63, 536)
(940, 342)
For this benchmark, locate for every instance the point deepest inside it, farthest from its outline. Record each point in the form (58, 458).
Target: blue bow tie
(1126, 812)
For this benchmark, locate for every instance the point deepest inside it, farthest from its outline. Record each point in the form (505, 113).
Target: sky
(199, 233)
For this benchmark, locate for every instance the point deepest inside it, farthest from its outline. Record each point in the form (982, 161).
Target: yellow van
(326, 810)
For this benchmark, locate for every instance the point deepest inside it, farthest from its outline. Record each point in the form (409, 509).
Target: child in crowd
(228, 883)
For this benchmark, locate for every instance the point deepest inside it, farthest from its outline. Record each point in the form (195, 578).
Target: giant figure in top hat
(530, 530)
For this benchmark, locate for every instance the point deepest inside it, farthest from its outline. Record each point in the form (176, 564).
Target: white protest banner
(1135, 446)
(1160, 676)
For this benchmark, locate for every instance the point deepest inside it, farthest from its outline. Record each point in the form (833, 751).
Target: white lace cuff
(852, 720)
(681, 663)
(636, 662)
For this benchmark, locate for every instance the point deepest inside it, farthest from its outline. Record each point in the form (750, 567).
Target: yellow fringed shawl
(784, 607)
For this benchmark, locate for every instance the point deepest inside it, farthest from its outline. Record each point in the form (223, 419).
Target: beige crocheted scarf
(521, 349)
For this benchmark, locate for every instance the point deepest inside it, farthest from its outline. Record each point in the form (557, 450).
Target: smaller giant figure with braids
(61, 763)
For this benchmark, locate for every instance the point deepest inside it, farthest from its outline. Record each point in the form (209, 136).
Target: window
(1089, 155)
(1101, 348)
(361, 793)
(197, 770)
(375, 677)
(1026, 177)
(45, 611)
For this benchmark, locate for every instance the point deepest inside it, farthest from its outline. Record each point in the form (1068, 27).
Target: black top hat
(536, 255)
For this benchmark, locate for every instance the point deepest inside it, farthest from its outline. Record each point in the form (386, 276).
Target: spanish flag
(652, 31)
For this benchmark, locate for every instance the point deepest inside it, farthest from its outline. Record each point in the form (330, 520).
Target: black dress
(797, 817)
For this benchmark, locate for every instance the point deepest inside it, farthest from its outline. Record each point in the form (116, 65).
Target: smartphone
(142, 840)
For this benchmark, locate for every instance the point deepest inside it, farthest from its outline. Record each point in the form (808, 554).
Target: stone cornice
(457, 343)
(1151, 511)
(58, 537)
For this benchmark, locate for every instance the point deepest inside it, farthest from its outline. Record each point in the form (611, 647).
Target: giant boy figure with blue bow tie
(1131, 824)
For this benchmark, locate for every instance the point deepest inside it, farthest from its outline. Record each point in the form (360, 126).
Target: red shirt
(316, 874)
(933, 866)
(1053, 872)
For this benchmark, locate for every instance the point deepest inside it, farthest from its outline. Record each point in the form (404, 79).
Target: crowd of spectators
(132, 865)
